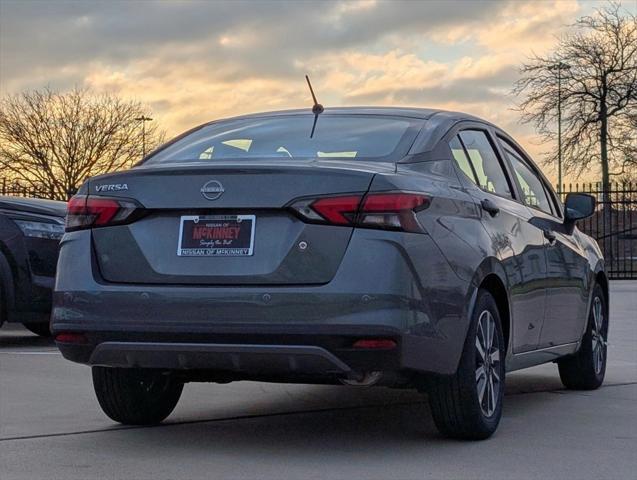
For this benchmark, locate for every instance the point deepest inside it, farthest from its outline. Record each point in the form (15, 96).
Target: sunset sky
(197, 61)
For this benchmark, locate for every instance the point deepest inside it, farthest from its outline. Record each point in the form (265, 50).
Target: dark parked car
(391, 246)
(30, 233)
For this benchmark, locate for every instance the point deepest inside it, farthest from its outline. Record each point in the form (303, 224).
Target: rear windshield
(363, 137)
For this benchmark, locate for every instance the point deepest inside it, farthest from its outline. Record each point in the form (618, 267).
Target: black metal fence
(14, 188)
(614, 225)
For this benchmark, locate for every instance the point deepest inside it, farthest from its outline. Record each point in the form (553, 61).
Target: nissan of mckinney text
(404, 247)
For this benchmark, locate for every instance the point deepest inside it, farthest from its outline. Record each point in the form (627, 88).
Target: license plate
(216, 236)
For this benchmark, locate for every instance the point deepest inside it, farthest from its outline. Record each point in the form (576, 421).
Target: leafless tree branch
(598, 93)
(53, 141)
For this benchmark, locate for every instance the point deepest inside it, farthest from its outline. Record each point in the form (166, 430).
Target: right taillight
(392, 211)
(383, 210)
(91, 212)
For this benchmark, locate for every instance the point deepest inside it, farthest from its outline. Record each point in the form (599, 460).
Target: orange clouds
(233, 58)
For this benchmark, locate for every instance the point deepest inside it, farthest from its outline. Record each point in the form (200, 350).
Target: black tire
(455, 400)
(135, 396)
(585, 370)
(41, 328)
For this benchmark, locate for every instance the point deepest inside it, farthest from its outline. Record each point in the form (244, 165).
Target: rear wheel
(586, 369)
(468, 405)
(135, 396)
(41, 329)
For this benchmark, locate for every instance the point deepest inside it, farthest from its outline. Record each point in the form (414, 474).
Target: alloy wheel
(488, 369)
(597, 336)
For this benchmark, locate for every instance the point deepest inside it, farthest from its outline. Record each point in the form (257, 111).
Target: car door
(567, 295)
(518, 245)
(566, 277)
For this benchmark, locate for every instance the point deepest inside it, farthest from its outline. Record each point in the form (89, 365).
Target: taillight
(91, 212)
(393, 211)
(386, 210)
(337, 210)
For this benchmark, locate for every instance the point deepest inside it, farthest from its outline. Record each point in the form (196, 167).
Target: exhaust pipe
(366, 379)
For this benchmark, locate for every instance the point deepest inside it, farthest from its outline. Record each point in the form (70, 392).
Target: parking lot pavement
(52, 428)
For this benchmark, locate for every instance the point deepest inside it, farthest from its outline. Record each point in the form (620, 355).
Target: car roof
(33, 205)
(411, 112)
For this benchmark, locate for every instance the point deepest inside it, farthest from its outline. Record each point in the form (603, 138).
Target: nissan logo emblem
(212, 190)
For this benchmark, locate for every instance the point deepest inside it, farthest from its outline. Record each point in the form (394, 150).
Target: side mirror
(578, 206)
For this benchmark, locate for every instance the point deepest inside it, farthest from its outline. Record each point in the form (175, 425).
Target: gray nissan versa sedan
(393, 246)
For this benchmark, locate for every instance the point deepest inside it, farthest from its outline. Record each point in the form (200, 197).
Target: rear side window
(487, 167)
(352, 137)
(533, 192)
(461, 159)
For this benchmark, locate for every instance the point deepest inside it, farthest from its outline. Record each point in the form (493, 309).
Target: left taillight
(92, 212)
(381, 210)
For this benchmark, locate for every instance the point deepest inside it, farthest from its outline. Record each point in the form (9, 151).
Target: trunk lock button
(302, 245)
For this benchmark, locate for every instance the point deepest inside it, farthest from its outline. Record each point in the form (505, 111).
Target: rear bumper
(425, 314)
(252, 353)
(253, 349)
(267, 359)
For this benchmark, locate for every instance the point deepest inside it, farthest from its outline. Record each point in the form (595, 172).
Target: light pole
(559, 66)
(144, 119)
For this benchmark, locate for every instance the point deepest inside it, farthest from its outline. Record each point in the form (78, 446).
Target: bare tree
(53, 141)
(597, 63)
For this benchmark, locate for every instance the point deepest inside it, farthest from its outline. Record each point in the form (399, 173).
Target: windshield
(363, 137)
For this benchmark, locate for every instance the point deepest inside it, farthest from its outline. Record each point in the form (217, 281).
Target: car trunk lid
(226, 224)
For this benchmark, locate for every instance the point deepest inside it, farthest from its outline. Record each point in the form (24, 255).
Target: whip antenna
(317, 108)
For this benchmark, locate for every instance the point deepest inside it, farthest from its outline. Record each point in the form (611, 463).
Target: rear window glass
(290, 137)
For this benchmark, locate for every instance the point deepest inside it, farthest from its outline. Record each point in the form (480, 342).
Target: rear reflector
(375, 343)
(386, 210)
(91, 212)
(79, 338)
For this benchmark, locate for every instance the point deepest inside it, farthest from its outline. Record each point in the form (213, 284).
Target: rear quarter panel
(452, 222)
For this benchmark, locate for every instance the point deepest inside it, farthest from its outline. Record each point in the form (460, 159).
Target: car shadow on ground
(396, 419)
(397, 425)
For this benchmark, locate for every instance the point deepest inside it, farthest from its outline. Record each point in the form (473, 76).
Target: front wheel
(586, 369)
(135, 396)
(468, 405)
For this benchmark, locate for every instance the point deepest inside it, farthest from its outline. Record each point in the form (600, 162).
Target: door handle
(550, 236)
(490, 207)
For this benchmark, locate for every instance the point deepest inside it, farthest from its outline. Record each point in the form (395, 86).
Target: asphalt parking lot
(52, 428)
